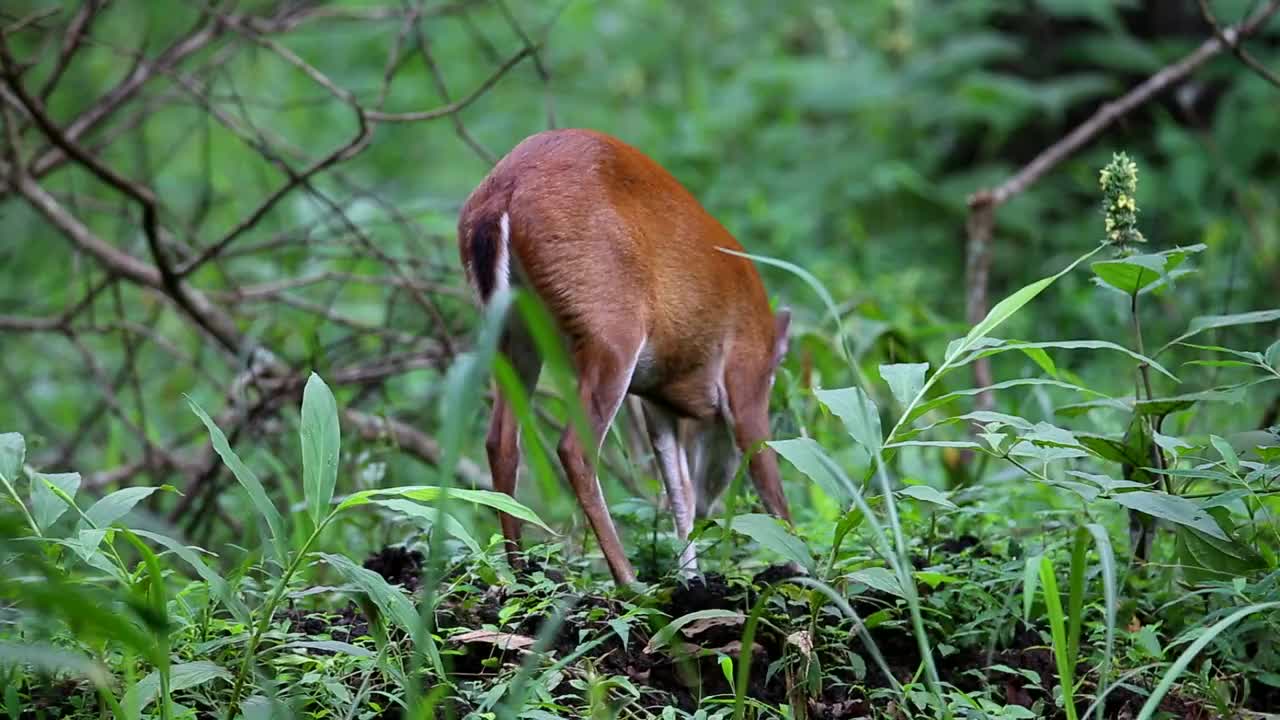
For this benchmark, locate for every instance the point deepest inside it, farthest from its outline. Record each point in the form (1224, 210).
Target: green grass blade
(157, 597)
(218, 586)
(1075, 593)
(745, 656)
(1152, 704)
(431, 493)
(1007, 307)
(1210, 322)
(861, 628)
(1057, 627)
(249, 481)
(1030, 583)
(1108, 562)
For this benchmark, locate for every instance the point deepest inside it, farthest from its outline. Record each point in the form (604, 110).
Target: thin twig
(1236, 48)
(72, 41)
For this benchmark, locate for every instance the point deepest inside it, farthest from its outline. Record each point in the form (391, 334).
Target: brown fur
(627, 262)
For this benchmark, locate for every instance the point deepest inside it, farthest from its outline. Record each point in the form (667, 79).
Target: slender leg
(750, 405)
(503, 441)
(604, 374)
(673, 465)
(717, 461)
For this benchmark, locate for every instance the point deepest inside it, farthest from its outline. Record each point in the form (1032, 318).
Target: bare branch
(32, 20)
(72, 41)
(543, 73)
(437, 79)
(1236, 48)
(16, 323)
(458, 106)
(365, 354)
(1114, 110)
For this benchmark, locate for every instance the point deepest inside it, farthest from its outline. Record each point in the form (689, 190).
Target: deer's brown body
(628, 264)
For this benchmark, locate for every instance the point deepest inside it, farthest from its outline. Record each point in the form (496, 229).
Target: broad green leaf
(248, 480)
(94, 620)
(1172, 508)
(1162, 406)
(183, 676)
(49, 659)
(260, 707)
(429, 516)
(1109, 448)
(391, 602)
(86, 544)
(622, 629)
(1107, 484)
(941, 400)
(878, 578)
(858, 413)
(1272, 355)
(1082, 408)
(905, 379)
(964, 444)
(1250, 442)
(1048, 435)
(217, 584)
(1228, 454)
(990, 422)
(1217, 559)
(1088, 492)
(320, 443)
(116, 505)
(47, 507)
(1250, 357)
(804, 453)
(928, 494)
(333, 646)
(1131, 274)
(13, 450)
(1171, 444)
(1221, 363)
(994, 346)
(772, 535)
(1209, 322)
(1137, 273)
(1042, 359)
(668, 631)
(933, 579)
(428, 493)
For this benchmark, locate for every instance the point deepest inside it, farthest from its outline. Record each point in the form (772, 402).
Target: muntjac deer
(629, 266)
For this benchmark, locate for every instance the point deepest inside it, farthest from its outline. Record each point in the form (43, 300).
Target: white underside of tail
(502, 261)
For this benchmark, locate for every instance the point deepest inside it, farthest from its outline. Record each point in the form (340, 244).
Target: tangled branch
(189, 302)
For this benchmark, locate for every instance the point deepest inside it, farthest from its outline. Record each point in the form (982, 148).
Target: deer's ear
(781, 333)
